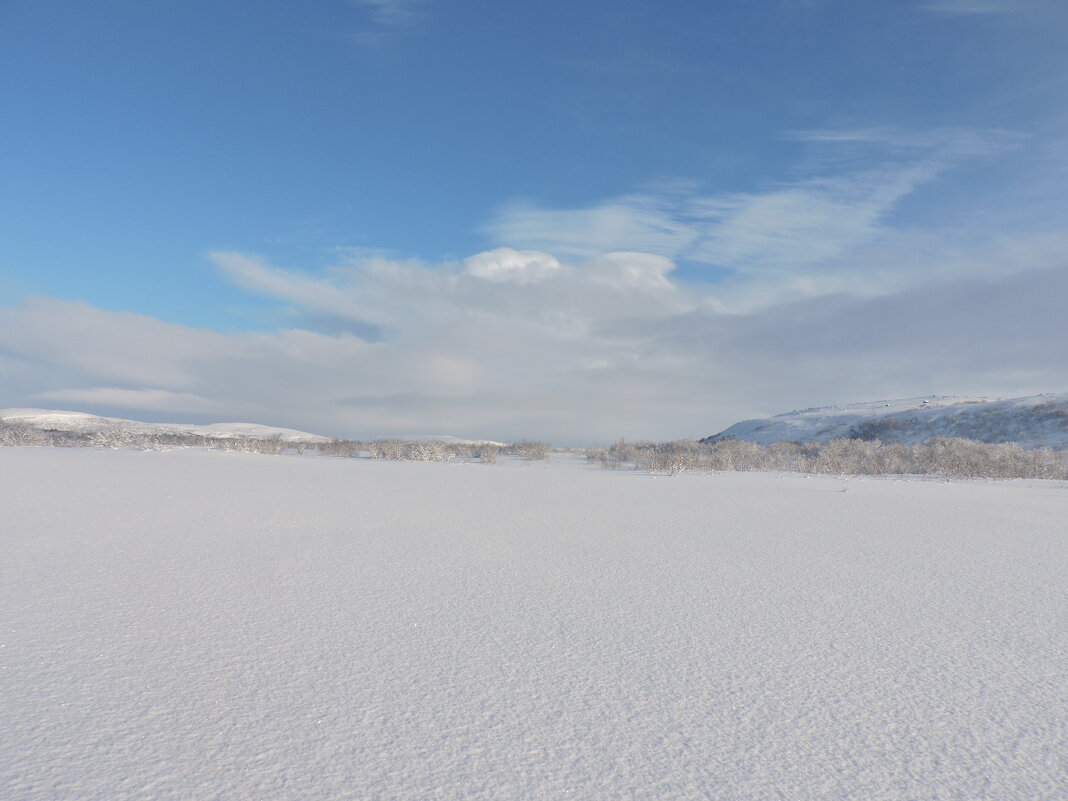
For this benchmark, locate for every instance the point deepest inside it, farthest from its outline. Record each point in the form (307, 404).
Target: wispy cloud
(973, 6)
(145, 400)
(794, 239)
(936, 143)
(317, 295)
(639, 222)
(386, 19)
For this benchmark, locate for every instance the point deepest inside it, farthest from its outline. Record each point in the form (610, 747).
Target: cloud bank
(581, 326)
(591, 352)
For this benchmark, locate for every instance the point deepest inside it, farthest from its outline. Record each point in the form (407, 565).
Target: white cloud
(316, 295)
(973, 6)
(515, 266)
(640, 223)
(809, 223)
(387, 19)
(605, 348)
(936, 143)
(580, 329)
(393, 13)
(812, 236)
(151, 400)
(797, 236)
(632, 270)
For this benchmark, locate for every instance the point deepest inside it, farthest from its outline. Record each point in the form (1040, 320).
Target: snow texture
(1035, 421)
(204, 625)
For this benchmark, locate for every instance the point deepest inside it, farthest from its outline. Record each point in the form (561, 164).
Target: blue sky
(575, 220)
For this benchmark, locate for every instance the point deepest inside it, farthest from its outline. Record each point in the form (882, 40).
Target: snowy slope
(83, 423)
(204, 625)
(1039, 420)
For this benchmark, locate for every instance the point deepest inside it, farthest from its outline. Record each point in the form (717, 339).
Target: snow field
(204, 625)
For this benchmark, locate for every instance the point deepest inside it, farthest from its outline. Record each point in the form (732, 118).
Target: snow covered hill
(1035, 421)
(82, 423)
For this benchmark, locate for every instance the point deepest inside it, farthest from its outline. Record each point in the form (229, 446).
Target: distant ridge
(82, 423)
(1032, 422)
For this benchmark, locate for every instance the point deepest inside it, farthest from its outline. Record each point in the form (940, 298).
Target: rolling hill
(1032, 422)
(82, 423)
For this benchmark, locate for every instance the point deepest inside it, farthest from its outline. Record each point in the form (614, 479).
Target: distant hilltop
(1032, 422)
(82, 423)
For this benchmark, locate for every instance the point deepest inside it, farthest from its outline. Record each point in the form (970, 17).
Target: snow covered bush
(623, 452)
(425, 452)
(386, 449)
(19, 434)
(341, 447)
(671, 457)
(531, 450)
(734, 454)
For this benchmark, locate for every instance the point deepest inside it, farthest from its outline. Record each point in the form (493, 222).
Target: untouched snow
(198, 625)
(81, 422)
(1035, 421)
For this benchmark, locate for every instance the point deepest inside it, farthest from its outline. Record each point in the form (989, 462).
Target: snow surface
(1034, 421)
(205, 625)
(81, 422)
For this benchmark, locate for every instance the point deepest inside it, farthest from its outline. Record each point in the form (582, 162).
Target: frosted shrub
(386, 449)
(19, 434)
(734, 454)
(597, 456)
(623, 452)
(789, 456)
(459, 451)
(425, 452)
(671, 457)
(341, 447)
(842, 456)
(487, 452)
(531, 450)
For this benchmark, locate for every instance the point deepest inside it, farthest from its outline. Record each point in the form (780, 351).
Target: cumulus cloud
(515, 266)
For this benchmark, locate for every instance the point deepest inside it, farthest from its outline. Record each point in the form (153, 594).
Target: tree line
(943, 457)
(14, 433)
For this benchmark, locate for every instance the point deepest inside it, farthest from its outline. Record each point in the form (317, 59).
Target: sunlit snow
(205, 625)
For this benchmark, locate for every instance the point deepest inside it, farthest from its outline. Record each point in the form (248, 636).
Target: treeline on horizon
(14, 433)
(942, 457)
